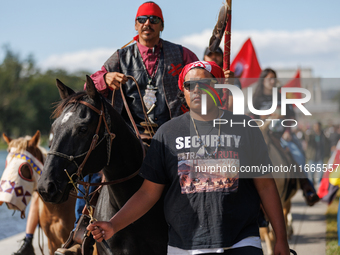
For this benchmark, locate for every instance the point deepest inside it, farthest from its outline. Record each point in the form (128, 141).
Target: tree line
(28, 95)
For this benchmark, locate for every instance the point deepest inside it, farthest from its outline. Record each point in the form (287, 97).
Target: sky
(82, 35)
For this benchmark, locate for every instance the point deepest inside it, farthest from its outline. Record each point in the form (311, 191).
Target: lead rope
(40, 237)
(89, 208)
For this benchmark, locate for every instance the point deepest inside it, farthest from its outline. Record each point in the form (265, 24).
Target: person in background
(217, 57)
(315, 152)
(334, 137)
(263, 94)
(263, 100)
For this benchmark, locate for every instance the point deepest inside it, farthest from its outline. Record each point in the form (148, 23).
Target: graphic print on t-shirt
(208, 175)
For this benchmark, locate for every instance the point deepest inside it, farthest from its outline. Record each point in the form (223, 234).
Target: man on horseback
(213, 220)
(154, 63)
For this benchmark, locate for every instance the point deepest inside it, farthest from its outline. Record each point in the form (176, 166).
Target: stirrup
(69, 241)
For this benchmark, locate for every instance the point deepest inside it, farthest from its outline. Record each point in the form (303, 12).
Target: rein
(146, 119)
(94, 142)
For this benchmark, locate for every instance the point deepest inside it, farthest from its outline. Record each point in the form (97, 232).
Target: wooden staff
(223, 26)
(227, 38)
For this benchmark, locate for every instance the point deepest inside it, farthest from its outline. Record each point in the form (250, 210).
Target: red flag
(294, 83)
(327, 191)
(245, 65)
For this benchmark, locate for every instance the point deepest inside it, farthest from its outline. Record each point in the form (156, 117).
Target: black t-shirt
(206, 205)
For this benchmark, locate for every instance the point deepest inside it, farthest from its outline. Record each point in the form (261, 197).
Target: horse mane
(20, 145)
(74, 98)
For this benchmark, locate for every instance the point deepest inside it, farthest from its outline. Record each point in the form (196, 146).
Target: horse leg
(288, 218)
(264, 233)
(44, 223)
(57, 222)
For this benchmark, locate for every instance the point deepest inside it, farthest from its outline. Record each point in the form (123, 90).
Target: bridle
(94, 144)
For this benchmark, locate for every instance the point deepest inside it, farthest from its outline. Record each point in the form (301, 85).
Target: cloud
(316, 48)
(88, 60)
(311, 48)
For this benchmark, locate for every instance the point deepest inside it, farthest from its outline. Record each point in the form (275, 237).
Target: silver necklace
(202, 151)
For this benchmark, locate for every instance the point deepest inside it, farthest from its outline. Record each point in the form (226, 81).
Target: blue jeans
(80, 203)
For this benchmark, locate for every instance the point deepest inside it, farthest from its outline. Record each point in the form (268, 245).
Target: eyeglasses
(202, 83)
(153, 19)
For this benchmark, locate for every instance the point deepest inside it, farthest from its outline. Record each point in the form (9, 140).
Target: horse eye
(83, 130)
(25, 172)
(50, 139)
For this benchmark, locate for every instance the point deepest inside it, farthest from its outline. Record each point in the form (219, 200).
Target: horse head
(24, 165)
(82, 132)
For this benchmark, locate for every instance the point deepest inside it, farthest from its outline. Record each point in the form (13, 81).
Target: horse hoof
(311, 198)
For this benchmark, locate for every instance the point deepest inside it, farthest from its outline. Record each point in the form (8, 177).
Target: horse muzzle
(52, 194)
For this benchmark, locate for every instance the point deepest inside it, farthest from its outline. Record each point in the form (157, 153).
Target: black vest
(129, 62)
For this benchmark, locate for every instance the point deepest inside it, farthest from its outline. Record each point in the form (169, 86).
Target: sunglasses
(153, 19)
(202, 84)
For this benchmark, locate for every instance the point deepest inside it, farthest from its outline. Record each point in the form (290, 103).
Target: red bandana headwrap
(210, 66)
(150, 9)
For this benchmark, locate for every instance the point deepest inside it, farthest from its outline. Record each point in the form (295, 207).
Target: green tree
(27, 95)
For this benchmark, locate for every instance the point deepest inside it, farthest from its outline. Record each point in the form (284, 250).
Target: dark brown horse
(78, 117)
(23, 168)
(286, 183)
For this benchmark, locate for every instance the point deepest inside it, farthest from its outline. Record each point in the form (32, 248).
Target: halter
(94, 142)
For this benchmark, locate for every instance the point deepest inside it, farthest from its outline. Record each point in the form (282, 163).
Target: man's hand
(229, 74)
(281, 248)
(101, 230)
(141, 202)
(114, 79)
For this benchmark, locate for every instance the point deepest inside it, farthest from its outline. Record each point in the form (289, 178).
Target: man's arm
(270, 199)
(106, 81)
(139, 204)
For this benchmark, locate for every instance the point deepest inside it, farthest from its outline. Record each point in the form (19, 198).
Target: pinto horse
(24, 165)
(80, 117)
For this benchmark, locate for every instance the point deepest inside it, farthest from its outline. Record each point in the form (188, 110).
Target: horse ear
(64, 91)
(34, 140)
(6, 138)
(90, 88)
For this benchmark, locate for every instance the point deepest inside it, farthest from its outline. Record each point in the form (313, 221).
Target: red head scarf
(149, 9)
(210, 66)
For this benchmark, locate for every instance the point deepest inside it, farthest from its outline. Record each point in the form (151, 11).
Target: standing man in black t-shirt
(211, 204)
